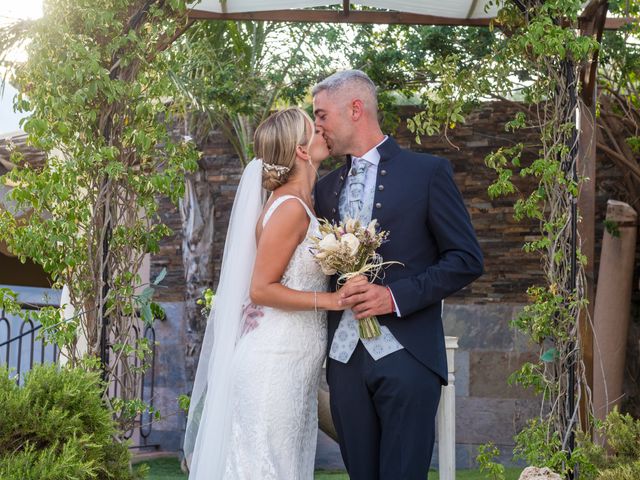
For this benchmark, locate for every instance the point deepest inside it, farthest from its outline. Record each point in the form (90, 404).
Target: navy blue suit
(384, 411)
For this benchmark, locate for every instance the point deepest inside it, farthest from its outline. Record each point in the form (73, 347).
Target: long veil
(208, 423)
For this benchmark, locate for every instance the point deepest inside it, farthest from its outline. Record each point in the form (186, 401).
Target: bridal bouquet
(349, 249)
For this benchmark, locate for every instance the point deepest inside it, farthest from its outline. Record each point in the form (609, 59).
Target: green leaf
(160, 277)
(146, 314)
(549, 355)
(145, 296)
(612, 228)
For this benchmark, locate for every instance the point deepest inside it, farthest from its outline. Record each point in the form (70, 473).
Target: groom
(385, 391)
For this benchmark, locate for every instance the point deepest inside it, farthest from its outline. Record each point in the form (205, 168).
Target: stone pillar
(446, 418)
(612, 308)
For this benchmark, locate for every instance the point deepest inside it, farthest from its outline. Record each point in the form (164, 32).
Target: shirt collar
(373, 155)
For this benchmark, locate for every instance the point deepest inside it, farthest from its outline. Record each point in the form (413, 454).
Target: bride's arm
(281, 235)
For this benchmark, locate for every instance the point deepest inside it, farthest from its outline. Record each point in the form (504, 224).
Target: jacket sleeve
(460, 258)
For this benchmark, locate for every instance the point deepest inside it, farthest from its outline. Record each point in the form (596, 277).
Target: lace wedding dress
(275, 375)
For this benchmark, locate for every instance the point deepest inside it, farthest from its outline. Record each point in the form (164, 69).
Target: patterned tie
(355, 193)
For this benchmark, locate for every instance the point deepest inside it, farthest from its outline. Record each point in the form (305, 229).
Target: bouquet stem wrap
(369, 328)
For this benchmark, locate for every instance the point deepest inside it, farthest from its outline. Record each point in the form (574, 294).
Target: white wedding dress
(275, 375)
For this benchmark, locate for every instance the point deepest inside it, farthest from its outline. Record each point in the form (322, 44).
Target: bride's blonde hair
(275, 142)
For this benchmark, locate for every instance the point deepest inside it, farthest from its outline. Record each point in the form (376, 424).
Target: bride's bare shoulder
(288, 219)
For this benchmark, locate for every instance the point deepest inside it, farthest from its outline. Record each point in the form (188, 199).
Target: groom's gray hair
(356, 79)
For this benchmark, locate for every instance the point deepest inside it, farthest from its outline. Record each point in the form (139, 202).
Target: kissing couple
(277, 316)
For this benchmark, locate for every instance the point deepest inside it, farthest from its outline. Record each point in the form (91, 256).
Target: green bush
(621, 459)
(56, 427)
(628, 471)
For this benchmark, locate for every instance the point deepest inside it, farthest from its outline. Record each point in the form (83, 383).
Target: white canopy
(437, 8)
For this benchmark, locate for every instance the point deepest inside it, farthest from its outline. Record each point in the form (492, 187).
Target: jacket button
(380, 187)
(335, 193)
(341, 177)
(383, 172)
(333, 210)
(378, 205)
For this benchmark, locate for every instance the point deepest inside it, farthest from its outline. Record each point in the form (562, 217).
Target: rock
(535, 473)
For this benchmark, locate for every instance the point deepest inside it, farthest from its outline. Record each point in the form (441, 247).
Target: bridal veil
(209, 419)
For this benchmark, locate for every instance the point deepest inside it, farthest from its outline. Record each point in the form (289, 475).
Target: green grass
(165, 469)
(510, 474)
(169, 469)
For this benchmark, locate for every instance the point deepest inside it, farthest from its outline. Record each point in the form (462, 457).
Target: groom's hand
(367, 299)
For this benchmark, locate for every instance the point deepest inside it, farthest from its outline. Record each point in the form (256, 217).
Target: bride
(253, 412)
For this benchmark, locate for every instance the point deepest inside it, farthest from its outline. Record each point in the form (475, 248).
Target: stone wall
(487, 408)
(509, 270)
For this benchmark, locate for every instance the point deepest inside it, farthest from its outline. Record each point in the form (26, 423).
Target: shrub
(621, 459)
(57, 427)
(628, 471)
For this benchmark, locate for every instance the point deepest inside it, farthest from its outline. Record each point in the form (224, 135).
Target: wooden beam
(592, 27)
(593, 7)
(336, 16)
(618, 23)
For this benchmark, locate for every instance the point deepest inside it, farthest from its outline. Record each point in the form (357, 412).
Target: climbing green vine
(535, 63)
(97, 99)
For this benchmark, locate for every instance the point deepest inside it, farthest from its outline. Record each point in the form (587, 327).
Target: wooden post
(592, 24)
(612, 308)
(587, 230)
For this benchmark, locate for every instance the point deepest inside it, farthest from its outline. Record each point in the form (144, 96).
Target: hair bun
(274, 176)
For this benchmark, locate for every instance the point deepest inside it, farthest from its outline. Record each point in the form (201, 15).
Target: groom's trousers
(384, 412)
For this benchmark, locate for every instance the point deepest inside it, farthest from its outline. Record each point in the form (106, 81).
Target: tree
(95, 86)
(234, 73)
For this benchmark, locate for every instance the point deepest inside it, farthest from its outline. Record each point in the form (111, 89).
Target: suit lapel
(388, 150)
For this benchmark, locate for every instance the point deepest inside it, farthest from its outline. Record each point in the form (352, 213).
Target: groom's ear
(357, 109)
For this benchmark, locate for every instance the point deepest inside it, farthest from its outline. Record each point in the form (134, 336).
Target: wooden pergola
(593, 21)
(347, 15)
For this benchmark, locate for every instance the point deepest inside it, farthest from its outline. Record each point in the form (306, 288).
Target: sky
(15, 9)
(21, 9)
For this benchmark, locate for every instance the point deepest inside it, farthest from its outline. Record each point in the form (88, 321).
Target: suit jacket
(430, 233)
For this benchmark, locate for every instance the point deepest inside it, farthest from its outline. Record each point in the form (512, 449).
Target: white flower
(350, 226)
(321, 255)
(327, 270)
(351, 241)
(329, 243)
(371, 228)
